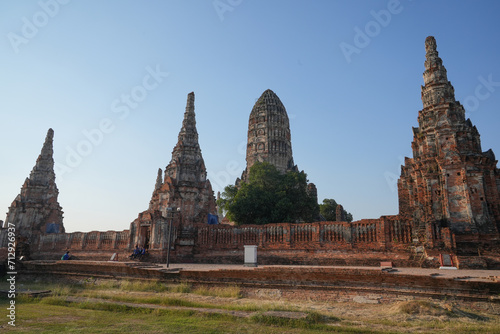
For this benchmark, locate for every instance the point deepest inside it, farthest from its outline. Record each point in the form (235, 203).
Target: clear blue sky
(67, 67)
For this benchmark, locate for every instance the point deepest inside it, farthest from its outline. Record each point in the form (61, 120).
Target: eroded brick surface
(36, 210)
(184, 187)
(450, 183)
(269, 138)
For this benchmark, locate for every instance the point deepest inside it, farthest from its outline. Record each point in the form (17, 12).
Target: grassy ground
(151, 307)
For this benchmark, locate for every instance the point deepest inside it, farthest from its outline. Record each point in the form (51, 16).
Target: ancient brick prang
(449, 182)
(184, 187)
(269, 137)
(185, 184)
(36, 209)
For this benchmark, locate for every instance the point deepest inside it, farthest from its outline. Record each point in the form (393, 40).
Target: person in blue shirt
(65, 256)
(136, 252)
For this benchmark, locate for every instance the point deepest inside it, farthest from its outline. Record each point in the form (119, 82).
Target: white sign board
(250, 256)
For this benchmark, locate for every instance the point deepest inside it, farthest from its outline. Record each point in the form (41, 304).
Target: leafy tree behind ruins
(269, 197)
(329, 211)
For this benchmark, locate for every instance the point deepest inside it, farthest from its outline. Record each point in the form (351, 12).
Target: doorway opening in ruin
(145, 236)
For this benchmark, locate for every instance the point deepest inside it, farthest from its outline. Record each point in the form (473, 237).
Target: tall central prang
(269, 138)
(449, 182)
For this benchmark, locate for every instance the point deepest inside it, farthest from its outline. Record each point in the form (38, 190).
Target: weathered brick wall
(366, 243)
(371, 234)
(95, 243)
(319, 243)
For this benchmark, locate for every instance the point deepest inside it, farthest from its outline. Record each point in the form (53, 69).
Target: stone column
(98, 240)
(115, 239)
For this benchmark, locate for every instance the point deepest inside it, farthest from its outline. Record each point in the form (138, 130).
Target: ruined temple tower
(269, 137)
(449, 182)
(184, 186)
(185, 183)
(36, 209)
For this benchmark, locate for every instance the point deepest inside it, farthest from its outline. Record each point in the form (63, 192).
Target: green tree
(226, 199)
(329, 210)
(269, 197)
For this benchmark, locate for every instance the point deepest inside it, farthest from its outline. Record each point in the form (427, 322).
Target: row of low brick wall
(94, 240)
(265, 257)
(109, 240)
(377, 234)
(85, 245)
(328, 243)
(362, 243)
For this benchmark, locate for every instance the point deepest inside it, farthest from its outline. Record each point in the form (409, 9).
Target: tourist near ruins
(449, 201)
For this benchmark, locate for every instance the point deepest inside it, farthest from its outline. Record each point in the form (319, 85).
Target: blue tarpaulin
(52, 228)
(213, 219)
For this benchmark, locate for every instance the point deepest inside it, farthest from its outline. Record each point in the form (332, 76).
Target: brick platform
(315, 281)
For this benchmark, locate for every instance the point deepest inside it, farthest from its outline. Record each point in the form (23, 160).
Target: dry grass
(223, 292)
(411, 316)
(421, 307)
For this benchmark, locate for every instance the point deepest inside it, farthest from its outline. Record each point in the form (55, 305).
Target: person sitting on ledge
(140, 253)
(136, 253)
(65, 256)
